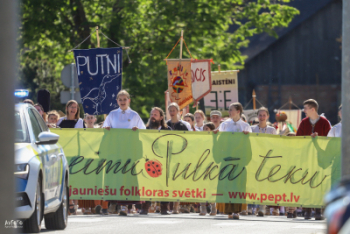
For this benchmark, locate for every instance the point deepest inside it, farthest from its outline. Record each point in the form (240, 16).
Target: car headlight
(22, 171)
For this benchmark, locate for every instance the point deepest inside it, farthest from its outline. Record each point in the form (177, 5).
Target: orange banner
(180, 82)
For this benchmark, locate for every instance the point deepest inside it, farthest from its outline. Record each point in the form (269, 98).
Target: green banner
(122, 164)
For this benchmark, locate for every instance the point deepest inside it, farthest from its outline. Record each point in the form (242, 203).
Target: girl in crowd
(71, 120)
(176, 124)
(200, 118)
(124, 117)
(189, 118)
(91, 206)
(262, 127)
(40, 109)
(52, 117)
(234, 124)
(208, 127)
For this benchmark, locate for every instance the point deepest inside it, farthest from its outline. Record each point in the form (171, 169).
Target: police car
(41, 172)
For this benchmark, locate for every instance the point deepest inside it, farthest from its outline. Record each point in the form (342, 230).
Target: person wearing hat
(215, 118)
(336, 129)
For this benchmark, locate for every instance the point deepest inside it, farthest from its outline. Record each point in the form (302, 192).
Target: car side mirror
(47, 138)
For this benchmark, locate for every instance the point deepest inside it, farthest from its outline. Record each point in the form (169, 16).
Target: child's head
(52, 117)
(89, 119)
(209, 127)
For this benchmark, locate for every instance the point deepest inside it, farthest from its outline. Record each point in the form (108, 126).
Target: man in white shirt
(336, 129)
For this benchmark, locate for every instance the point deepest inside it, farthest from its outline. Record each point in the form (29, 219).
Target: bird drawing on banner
(98, 94)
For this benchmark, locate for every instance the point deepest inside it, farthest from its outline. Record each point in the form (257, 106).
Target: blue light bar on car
(21, 93)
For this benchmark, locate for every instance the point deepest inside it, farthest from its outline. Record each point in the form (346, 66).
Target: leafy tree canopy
(150, 27)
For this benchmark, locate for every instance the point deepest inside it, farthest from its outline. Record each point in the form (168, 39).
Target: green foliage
(212, 29)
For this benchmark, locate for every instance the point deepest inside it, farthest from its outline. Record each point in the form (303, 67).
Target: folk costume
(231, 126)
(267, 130)
(306, 128)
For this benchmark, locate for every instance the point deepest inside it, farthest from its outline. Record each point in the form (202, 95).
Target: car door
(47, 156)
(44, 158)
(55, 155)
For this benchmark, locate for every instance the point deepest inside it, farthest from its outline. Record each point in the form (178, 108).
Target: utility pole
(8, 71)
(346, 88)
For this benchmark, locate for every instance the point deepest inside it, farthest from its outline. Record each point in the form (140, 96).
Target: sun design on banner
(178, 80)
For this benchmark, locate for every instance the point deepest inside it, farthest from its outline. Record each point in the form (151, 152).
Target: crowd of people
(124, 117)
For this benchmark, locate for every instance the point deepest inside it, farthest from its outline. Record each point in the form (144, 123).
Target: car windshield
(21, 132)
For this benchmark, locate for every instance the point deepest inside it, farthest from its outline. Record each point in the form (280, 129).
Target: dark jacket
(178, 126)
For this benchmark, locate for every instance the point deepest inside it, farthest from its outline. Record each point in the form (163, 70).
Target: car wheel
(59, 219)
(33, 224)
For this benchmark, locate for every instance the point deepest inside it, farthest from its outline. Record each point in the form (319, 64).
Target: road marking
(312, 226)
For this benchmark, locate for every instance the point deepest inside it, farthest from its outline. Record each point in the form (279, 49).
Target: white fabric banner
(201, 78)
(224, 92)
(251, 115)
(293, 116)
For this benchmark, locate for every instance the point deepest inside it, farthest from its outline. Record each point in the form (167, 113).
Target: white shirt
(267, 130)
(124, 119)
(187, 125)
(232, 126)
(335, 131)
(79, 124)
(199, 128)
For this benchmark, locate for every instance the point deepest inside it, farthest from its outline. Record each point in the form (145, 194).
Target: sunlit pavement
(188, 223)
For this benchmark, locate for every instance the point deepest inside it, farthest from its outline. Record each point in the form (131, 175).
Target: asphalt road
(187, 223)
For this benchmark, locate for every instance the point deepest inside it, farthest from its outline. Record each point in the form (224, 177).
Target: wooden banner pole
(98, 37)
(254, 96)
(181, 42)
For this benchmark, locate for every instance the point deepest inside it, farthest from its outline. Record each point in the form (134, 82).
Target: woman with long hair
(200, 118)
(71, 120)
